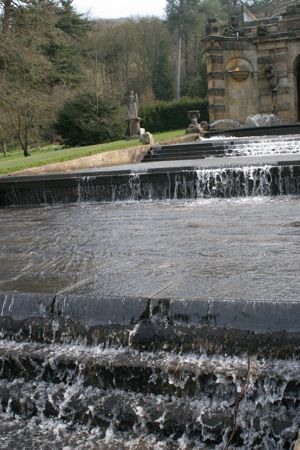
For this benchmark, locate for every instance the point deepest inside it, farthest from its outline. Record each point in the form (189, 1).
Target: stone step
(175, 325)
(204, 149)
(182, 155)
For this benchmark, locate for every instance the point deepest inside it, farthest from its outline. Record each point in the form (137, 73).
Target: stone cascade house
(254, 67)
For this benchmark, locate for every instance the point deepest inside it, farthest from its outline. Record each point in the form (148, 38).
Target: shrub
(164, 116)
(87, 120)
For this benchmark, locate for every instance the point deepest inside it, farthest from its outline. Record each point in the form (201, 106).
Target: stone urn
(194, 126)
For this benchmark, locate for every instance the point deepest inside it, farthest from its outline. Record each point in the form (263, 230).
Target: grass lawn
(15, 160)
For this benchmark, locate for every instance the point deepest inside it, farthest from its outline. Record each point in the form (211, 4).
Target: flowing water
(248, 247)
(181, 402)
(69, 394)
(216, 178)
(68, 384)
(272, 145)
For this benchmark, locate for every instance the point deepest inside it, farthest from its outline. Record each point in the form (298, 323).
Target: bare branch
(237, 405)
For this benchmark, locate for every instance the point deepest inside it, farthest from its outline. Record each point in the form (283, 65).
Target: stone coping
(236, 327)
(240, 314)
(274, 130)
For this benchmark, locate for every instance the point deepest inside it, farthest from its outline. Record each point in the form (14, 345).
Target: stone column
(215, 77)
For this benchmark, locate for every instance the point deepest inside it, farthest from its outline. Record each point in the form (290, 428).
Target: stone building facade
(254, 68)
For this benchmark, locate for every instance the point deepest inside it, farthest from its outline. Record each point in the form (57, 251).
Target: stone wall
(252, 70)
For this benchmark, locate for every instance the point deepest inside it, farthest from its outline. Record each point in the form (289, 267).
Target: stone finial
(211, 26)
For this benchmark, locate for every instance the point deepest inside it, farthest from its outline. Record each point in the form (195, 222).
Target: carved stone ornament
(239, 69)
(213, 44)
(272, 76)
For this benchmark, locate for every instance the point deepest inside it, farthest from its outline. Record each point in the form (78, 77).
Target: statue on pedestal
(133, 114)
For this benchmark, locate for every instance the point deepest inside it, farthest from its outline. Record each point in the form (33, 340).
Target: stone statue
(272, 77)
(133, 106)
(133, 115)
(233, 27)
(261, 30)
(194, 126)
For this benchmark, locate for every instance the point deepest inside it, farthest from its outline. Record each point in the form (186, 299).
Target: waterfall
(119, 394)
(155, 325)
(68, 381)
(156, 185)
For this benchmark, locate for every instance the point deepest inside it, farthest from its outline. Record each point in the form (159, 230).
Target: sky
(108, 9)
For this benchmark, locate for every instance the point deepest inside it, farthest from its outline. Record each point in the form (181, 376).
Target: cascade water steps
(224, 147)
(135, 376)
(136, 393)
(150, 373)
(161, 183)
(265, 165)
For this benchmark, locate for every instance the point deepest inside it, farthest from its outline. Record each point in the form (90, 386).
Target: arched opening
(297, 86)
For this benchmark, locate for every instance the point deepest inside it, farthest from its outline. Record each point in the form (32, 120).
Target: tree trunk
(25, 143)
(178, 61)
(25, 148)
(187, 67)
(4, 147)
(6, 15)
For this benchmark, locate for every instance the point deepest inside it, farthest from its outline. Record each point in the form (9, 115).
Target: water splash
(266, 147)
(262, 120)
(175, 401)
(245, 182)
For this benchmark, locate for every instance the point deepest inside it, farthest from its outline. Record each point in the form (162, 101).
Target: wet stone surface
(214, 249)
(77, 384)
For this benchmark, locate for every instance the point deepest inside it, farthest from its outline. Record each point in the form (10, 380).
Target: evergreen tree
(88, 119)
(162, 75)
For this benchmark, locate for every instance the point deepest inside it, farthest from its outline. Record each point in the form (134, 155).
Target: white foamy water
(184, 401)
(276, 145)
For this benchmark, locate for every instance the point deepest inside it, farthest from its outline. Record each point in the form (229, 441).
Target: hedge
(165, 116)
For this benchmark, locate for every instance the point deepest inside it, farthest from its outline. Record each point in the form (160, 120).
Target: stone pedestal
(135, 127)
